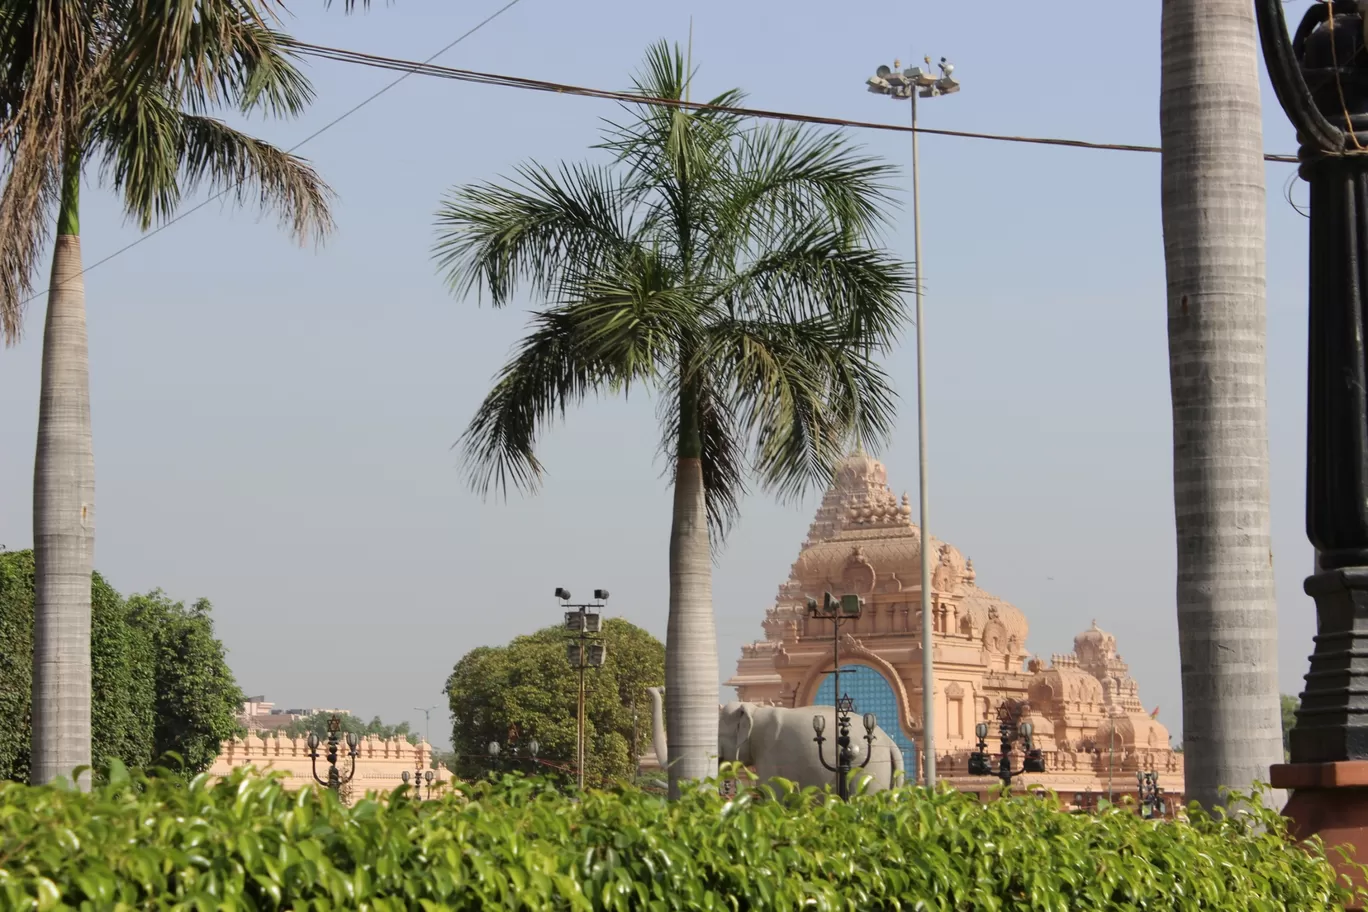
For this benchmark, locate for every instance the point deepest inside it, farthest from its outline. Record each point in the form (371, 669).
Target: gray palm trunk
(1213, 218)
(63, 530)
(691, 678)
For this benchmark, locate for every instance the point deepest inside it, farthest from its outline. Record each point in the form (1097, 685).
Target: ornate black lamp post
(419, 777)
(845, 751)
(1009, 732)
(515, 754)
(1151, 795)
(837, 610)
(335, 780)
(1320, 75)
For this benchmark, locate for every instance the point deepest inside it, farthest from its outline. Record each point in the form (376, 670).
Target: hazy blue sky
(273, 425)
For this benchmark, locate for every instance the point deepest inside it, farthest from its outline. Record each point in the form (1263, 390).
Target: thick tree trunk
(1213, 216)
(691, 678)
(63, 516)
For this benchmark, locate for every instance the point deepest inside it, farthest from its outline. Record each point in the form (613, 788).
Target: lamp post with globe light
(495, 750)
(1009, 732)
(911, 84)
(419, 777)
(845, 751)
(334, 780)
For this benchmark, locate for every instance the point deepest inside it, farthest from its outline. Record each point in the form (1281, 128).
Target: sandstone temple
(1084, 705)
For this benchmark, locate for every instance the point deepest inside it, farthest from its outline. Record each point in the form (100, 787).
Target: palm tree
(729, 269)
(130, 85)
(1213, 211)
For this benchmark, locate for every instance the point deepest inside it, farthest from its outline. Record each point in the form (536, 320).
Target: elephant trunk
(662, 747)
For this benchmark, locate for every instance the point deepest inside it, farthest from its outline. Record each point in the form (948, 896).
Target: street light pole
(427, 723)
(586, 649)
(909, 84)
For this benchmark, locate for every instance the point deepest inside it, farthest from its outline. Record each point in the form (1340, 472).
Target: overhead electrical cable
(312, 136)
(410, 67)
(426, 67)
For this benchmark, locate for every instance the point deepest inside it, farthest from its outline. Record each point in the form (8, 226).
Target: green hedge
(246, 843)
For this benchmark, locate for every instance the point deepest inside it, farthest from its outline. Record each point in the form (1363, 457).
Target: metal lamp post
(898, 84)
(586, 649)
(1009, 732)
(334, 780)
(419, 777)
(845, 751)
(1320, 76)
(1151, 795)
(495, 750)
(837, 610)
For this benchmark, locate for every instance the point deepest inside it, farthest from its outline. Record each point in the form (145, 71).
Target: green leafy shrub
(246, 843)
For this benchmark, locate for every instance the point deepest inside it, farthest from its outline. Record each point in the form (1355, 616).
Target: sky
(273, 424)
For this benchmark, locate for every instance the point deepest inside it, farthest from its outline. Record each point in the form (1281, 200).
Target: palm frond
(154, 154)
(548, 373)
(784, 174)
(633, 313)
(184, 45)
(32, 179)
(544, 229)
(252, 68)
(801, 391)
(675, 152)
(813, 271)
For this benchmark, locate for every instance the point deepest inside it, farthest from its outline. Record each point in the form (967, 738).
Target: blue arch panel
(872, 693)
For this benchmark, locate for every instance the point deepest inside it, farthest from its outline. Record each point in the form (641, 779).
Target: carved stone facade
(1084, 705)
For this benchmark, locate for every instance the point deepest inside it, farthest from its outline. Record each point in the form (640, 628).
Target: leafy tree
(731, 270)
(530, 687)
(159, 680)
(131, 85)
(197, 697)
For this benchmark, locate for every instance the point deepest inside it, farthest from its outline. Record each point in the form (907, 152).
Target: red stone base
(1329, 800)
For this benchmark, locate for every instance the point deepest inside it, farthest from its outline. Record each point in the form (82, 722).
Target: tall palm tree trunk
(63, 514)
(1213, 217)
(691, 678)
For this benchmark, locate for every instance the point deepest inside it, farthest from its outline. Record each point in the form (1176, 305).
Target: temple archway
(872, 693)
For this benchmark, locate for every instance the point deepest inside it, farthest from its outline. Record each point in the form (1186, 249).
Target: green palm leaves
(134, 85)
(734, 270)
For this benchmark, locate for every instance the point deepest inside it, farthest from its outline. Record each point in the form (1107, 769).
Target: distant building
(1084, 705)
(257, 714)
(380, 763)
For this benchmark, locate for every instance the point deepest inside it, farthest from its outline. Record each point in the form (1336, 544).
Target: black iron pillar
(1010, 729)
(1320, 76)
(845, 751)
(335, 779)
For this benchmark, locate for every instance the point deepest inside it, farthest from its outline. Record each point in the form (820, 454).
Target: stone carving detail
(954, 690)
(859, 574)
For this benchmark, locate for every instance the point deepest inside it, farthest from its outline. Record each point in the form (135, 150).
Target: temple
(1084, 705)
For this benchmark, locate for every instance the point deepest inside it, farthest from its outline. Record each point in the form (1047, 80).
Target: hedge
(244, 842)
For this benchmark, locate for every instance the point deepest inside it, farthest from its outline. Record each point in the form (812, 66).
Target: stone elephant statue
(778, 742)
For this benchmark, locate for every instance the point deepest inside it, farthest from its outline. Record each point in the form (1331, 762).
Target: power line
(410, 67)
(312, 136)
